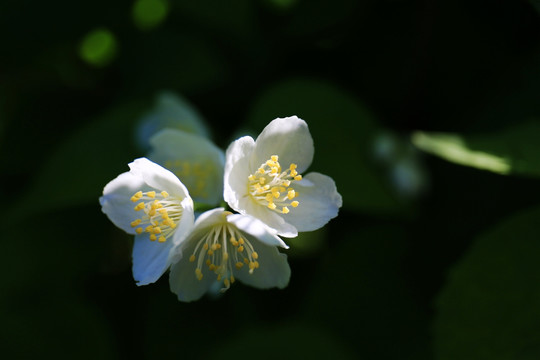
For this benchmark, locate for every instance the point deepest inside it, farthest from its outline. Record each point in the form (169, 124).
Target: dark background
(444, 266)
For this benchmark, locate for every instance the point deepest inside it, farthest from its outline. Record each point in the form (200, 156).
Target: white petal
(158, 177)
(150, 259)
(197, 162)
(247, 206)
(319, 202)
(257, 229)
(177, 112)
(237, 170)
(182, 279)
(183, 230)
(208, 219)
(289, 138)
(171, 111)
(273, 271)
(116, 200)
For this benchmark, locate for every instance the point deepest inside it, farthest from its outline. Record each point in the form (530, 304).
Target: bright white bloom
(263, 179)
(152, 204)
(225, 247)
(173, 112)
(196, 161)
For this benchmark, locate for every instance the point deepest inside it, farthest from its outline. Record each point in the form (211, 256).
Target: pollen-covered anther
(159, 214)
(212, 250)
(136, 196)
(271, 187)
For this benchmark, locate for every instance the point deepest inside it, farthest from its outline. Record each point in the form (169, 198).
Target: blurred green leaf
(490, 307)
(536, 4)
(43, 322)
(187, 61)
(98, 47)
(515, 150)
(283, 5)
(148, 14)
(343, 131)
(288, 340)
(234, 18)
(317, 17)
(77, 171)
(307, 243)
(362, 282)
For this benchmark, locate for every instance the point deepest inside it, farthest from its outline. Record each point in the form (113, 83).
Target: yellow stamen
(290, 194)
(156, 217)
(268, 185)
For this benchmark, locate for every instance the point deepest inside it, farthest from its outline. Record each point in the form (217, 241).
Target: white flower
(225, 247)
(152, 204)
(196, 161)
(255, 183)
(170, 111)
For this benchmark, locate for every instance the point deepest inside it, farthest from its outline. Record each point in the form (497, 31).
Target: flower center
(271, 187)
(222, 248)
(160, 213)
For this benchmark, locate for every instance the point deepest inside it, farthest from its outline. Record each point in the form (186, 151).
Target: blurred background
(428, 258)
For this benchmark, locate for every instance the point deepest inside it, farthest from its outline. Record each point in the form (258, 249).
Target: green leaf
(490, 307)
(343, 131)
(98, 47)
(283, 341)
(362, 281)
(515, 150)
(147, 14)
(77, 171)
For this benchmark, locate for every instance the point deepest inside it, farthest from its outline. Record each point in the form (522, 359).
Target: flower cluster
(262, 180)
